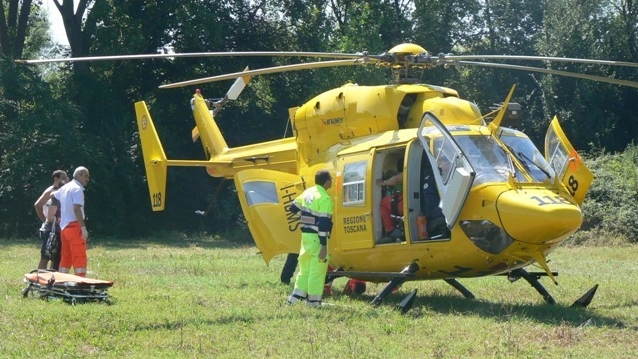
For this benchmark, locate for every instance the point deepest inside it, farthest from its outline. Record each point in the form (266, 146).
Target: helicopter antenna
(501, 113)
(286, 130)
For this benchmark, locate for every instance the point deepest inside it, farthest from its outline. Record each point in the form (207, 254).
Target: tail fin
(232, 94)
(154, 158)
(212, 139)
(221, 161)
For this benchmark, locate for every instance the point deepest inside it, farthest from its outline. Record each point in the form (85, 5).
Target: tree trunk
(73, 28)
(13, 27)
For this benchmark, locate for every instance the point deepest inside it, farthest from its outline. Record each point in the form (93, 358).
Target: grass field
(210, 298)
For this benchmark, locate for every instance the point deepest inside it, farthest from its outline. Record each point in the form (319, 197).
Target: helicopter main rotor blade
(554, 72)
(541, 58)
(268, 70)
(201, 54)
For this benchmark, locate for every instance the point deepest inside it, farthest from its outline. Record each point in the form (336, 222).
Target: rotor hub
(402, 59)
(407, 49)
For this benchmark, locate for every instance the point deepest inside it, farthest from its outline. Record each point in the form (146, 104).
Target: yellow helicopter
(478, 198)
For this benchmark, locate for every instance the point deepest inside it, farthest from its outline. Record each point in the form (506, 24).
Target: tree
(594, 112)
(73, 21)
(14, 15)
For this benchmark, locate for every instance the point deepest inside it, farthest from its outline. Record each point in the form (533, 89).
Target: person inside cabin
(437, 227)
(392, 206)
(431, 201)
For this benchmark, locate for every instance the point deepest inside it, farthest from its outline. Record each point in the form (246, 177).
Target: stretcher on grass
(71, 288)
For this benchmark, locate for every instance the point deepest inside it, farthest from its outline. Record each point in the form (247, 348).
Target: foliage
(83, 114)
(23, 28)
(36, 128)
(611, 206)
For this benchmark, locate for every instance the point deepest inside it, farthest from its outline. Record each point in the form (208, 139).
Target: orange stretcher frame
(71, 288)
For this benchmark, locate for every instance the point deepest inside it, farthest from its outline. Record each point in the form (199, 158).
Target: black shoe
(385, 240)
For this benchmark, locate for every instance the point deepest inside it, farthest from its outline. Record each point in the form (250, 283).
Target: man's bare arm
(40, 202)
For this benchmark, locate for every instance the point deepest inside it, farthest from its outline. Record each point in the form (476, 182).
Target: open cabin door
(456, 172)
(564, 159)
(265, 197)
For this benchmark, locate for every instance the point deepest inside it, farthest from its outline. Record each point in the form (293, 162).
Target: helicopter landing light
(486, 235)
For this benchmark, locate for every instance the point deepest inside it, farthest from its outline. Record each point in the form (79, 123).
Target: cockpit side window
(444, 154)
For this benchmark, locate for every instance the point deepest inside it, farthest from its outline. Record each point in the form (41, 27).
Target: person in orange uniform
(391, 204)
(74, 233)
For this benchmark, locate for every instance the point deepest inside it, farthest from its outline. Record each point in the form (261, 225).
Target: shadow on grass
(557, 314)
(179, 324)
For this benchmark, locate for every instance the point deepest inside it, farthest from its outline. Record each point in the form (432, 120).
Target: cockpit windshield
(527, 154)
(492, 163)
(489, 160)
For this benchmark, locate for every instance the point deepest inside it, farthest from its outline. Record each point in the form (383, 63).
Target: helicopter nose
(538, 216)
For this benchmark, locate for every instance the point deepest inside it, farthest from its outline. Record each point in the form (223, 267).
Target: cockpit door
(564, 159)
(265, 197)
(456, 172)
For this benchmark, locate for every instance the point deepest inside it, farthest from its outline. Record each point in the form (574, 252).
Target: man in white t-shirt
(74, 233)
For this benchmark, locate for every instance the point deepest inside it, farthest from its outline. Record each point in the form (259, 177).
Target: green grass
(207, 297)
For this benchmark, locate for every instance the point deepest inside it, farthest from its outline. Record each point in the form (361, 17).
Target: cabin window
(258, 192)
(558, 155)
(529, 156)
(489, 160)
(445, 155)
(354, 183)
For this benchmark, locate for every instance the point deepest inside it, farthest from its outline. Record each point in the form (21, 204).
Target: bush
(611, 207)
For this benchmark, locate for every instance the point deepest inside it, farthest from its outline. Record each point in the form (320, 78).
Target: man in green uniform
(316, 207)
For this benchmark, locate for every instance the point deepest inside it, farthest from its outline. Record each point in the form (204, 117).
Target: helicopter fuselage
(491, 201)
(501, 223)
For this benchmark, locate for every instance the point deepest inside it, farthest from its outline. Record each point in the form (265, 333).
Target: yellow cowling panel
(453, 111)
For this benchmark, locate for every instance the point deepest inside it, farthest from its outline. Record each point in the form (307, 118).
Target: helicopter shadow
(449, 304)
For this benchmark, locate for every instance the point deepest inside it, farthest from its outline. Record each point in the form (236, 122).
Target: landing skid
(532, 278)
(396, 281)
(398, 278)
(458, 286)
(407, 302)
